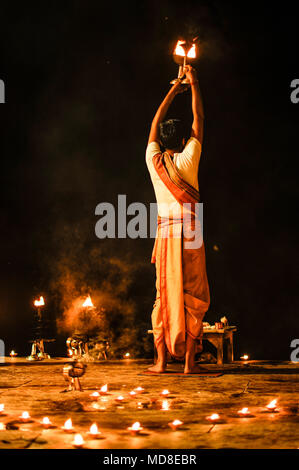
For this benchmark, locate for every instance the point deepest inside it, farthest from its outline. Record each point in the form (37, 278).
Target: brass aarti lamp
(185, 53)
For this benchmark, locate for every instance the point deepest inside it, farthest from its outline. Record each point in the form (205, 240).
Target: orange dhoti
(182, 287)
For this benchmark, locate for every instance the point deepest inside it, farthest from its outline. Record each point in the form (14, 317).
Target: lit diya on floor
(104, 390)
(25, 417)
(13, 353)
(119, 400)
(165, 405)
(245, 413)
(174, 425)
(213, 417)
(68, 426)
(94, 395)
(133, 394)
(139, 389)
(245, 357)
(272, 406)
(165, 393)
(135, 428)
(2, 409)
(94, 432)
(46, 423)
(78, 441)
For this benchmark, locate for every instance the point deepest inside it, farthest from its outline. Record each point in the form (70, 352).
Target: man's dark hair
(172, 133)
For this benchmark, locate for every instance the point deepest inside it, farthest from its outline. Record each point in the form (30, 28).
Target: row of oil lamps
(136, 427)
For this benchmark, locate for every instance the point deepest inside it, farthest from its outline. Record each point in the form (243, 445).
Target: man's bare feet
(158, 368)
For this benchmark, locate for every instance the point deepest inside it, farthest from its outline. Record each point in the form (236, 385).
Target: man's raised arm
(162, 110)
(197, 106)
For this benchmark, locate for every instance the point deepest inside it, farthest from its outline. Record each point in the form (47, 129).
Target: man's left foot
(158, 368)
(195, 369)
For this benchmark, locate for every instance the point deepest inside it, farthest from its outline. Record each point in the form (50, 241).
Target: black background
(83, 81)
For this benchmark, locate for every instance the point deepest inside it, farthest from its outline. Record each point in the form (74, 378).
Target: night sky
(83, 80)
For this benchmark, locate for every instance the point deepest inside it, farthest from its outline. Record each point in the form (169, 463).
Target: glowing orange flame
(213, 417)
(25, 416)
(244, 411)
(94, 430)
(135, 428)
(179, 50)
(46, 422)
(175, 424)
(165, 393)
(1, 408)
(95, 394)
(245, 357)
(104, 389)
(39, 302)
(68, 425)
(120, 398)
(78, 441)
(87, 302)
(165, 405)
(13, 353)
(272, 405)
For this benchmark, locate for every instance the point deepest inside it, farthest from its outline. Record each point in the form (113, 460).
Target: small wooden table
(219, 338)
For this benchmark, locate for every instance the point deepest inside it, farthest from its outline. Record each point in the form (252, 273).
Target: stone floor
(37, 388)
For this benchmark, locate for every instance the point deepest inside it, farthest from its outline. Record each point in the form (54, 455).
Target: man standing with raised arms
(182, 287)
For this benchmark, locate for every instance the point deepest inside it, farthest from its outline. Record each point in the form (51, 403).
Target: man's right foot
(158, 368)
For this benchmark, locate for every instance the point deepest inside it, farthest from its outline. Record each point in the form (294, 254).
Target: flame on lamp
(39, 302)
(213, 417)
(94, 430)
(165, 393)
(25, 416)
(272, 405)
(1, 408)
(179, 50)
(139, 390)
(245, 357)
(244, 411)
(78, 441)
(88, 302)
(104, 389)
(135, 428)
(165, 405)
(46, 422)
(94, 394)
(68, 425)
(175, 424)
(120, 398)
(13, 353)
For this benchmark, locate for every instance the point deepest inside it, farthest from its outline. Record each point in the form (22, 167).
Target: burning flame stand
(38, 349)
(78, 344)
